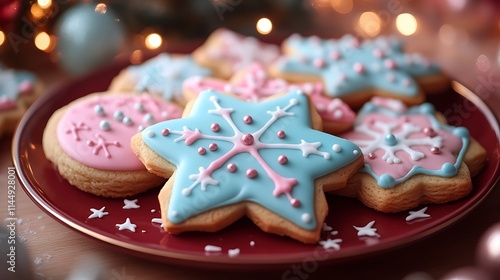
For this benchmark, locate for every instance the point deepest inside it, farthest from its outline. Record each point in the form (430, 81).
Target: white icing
(127, 225)
(306, 217)
(212, 248)
(130, 204)
(252, 243)
(233, 252)
(367, 230)
(326, 227)
(417, 214)
(336, 148)
(97, 213)
(331, 243)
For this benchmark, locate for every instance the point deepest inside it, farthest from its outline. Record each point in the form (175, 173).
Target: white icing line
(127, 225)
(367, 230)
(97, 213)
(331, 243)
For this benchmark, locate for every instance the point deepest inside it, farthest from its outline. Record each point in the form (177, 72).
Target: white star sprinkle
(233, 252)
(417, 214)
(326, 227)
(331, 243)
(98, 213)
(127, 225)
(367, 230)
(130, 204)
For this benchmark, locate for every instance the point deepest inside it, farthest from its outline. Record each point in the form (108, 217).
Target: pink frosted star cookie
(88, 141)
(226, 52)
(411, 157)
(253, 84)
(18, 90)
(230, 158)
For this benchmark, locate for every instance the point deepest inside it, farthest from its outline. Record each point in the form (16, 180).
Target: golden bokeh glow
(43, 41)
(153, 41)
(406, 24)
(264, 26)
(2, 37)
(342, 6)
(136, 57)
(101, 8)
(44, 4)
(36, 11)
(370, 23)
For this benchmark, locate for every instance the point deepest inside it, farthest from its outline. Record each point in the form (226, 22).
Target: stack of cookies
(244, 128)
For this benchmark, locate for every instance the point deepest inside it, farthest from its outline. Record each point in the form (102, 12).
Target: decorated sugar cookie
(355, 71)
(226, 52)
(253, 84)
(18, 90)
(89, 141)
(230, 158)
(411, 157)
(162, 75)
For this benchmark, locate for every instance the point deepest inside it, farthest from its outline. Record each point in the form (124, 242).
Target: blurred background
(59, 39)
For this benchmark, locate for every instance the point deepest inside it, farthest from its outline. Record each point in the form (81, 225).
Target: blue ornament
(88, 38)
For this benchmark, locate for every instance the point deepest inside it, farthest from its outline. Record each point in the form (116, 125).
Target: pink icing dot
(202, 151)
(215, 127)
(282, 159)
(429, 131)
(247, 139)
(213, 147)
(355, 42)
(371, 156)
(25, 87)
(435, 150)
(378, 53)
(295, 202)
(281, 134)
(335, 55)
(165, 132)
(319, 63)
(359, 68)
(252, 173)
(247, 119)
(232, 167)
(390, 64)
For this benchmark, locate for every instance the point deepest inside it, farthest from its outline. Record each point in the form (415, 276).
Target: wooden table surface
(54, 251)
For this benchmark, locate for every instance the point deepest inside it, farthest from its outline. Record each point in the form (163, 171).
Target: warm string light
(342, 6)
(44, 4)
(264, 26)
(370, 24)
(406, 24)
(44, 42)
(153, 41)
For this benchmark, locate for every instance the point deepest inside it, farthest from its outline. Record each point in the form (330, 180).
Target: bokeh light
(264, 26)
(43, 42)
(370, 23)
(153, 41)
(36, 11)
(44, 4)
(101, 8)
(342, 6)
(2, 37)
(136, 57)
(406, 24)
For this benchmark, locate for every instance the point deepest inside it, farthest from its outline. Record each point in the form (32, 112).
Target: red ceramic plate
(72, 207)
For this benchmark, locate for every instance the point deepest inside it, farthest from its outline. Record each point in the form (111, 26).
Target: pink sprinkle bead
(252, 173)
(213, 147)
(281, 134)
(232, 167)
(295, 202)
(202, 151)
(247, 119)
(282, 159)
(359, 68)
(215, 127)
(247, 139)
(165, 132)
(435, 150)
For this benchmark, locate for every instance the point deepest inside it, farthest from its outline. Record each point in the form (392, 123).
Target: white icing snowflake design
(257, 151)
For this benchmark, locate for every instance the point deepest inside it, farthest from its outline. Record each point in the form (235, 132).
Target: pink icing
(255, 85)
(81, 137)
(432, 160)
(6, 104)
(241, 51)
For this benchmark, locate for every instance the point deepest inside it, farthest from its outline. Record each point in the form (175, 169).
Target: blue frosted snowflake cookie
(230, 158)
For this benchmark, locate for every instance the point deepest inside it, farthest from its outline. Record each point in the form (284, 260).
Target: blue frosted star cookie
(229, 158)
(355, 71)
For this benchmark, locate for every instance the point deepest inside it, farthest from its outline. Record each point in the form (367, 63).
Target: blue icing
(447, 169)
(164, 74)
(10, 81)
(340, 56)
(191, 196)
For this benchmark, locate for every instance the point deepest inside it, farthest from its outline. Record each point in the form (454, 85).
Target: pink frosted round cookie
(226, 52)
(89, 142)
(253, 84)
